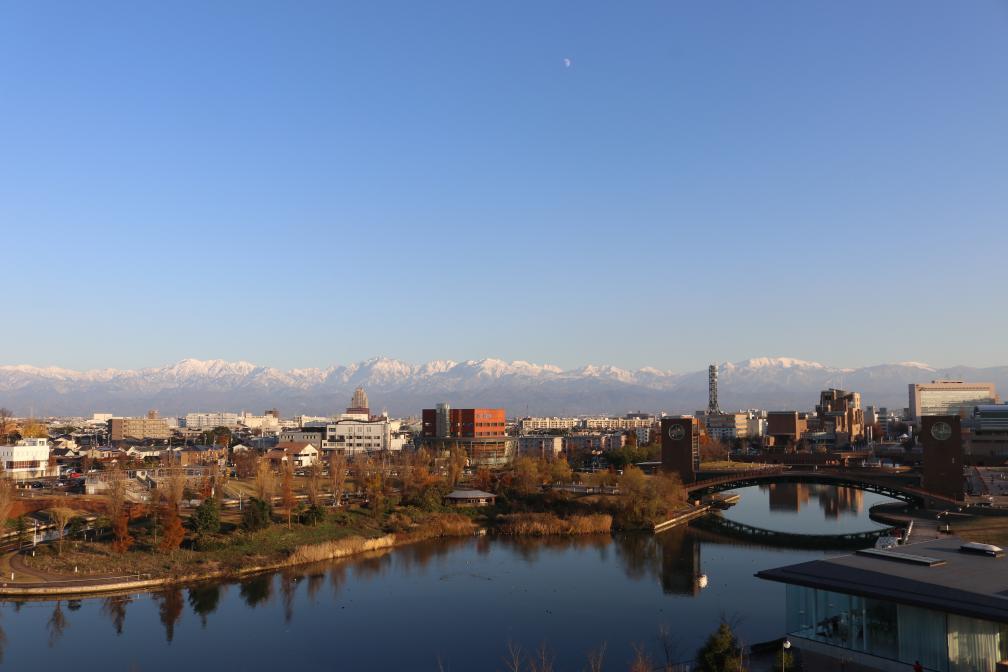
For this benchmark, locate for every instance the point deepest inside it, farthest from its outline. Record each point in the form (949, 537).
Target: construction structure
(712, 402)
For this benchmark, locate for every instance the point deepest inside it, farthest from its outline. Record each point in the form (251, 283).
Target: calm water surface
(458, 601)
(806, 508)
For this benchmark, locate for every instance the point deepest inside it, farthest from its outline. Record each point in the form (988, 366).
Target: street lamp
(783, 657)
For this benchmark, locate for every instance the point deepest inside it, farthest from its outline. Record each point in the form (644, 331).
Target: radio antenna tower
(712, 404)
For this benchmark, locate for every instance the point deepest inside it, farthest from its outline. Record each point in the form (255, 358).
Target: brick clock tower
(941, 436)
(680, 447)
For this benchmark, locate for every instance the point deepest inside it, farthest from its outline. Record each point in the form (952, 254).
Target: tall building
(839, 420)
(943, 455)
(680, 447)
(949, 397)
(712, 402)
(359, 403)
(479, 431)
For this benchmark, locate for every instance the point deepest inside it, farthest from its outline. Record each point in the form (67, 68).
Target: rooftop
(951, 580)
(469, 494)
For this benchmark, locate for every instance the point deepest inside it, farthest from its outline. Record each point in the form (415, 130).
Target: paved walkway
(26, 576)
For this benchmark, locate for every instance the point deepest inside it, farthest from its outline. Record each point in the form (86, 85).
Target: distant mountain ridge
(404, 388)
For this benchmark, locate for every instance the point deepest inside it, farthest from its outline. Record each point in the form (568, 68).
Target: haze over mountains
(403, 388)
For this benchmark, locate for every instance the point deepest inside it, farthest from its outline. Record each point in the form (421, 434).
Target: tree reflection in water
(115, 608)
(315, 582)
(57, 624)
(204, 599)
(170, 610)
(288, 588)
(256, 590)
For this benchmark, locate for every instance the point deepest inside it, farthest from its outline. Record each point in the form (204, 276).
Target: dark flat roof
(964, 583)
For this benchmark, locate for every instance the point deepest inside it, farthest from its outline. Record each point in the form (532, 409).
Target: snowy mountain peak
(779, 362)
(774, 383)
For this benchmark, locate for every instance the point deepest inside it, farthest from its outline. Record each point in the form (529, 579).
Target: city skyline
(433, 182)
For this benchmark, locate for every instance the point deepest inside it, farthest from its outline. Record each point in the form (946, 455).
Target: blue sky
(300, 184)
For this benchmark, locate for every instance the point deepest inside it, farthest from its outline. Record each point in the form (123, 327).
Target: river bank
(92, 567)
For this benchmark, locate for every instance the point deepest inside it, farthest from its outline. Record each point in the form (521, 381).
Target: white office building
(351, 434)
(29, 458)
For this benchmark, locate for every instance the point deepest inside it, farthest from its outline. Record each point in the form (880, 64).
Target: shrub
(257, 515)
(206, 518)
(314, 514)
(720, 652)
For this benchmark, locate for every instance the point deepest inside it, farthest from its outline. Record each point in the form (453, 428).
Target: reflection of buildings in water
(680, 562)
(787, 496)
(833, 500)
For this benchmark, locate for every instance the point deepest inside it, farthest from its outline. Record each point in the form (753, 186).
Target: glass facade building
(896, 632)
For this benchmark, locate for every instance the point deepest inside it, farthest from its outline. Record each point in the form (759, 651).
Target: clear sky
(307, 183)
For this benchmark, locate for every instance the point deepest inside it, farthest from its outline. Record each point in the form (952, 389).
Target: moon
(568, 62)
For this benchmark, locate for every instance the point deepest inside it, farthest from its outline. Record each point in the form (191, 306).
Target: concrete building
(355, 433)
(312, 435)
(201, 421)
(267, 422)
(28, 458)
(630, 421)
(949, 397)
(838, 421)
(756, 424)
(529, 425)
(727, 426)
(139, 429)
(546, 446)
(938, 604)
(985, 436)
(785, 428)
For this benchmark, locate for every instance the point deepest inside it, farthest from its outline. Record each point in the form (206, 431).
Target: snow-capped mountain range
(403, 388)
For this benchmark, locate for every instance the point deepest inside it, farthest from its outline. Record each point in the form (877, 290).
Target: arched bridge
(840, 477)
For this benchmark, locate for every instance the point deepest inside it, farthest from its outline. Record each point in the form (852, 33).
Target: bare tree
(174, 486)
(61, 515)
(542, 661)
(287, 487)
(116, 491)
(5, 423)
(596, 658)
(514, 657)
(457, 461)
(642, 661)
(337, 475)
(264, 480)
(6, 496)
(313, 483)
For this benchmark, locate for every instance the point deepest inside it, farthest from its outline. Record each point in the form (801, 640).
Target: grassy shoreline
(94, 567)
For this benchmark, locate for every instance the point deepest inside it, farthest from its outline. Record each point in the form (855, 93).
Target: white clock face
(676, 432)
(941, 431)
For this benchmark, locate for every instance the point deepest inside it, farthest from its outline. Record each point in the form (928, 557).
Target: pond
(450, 604)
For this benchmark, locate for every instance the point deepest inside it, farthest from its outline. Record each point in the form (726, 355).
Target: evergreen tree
(721, 652)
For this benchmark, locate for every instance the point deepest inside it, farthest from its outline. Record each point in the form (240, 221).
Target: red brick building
(480, 431)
